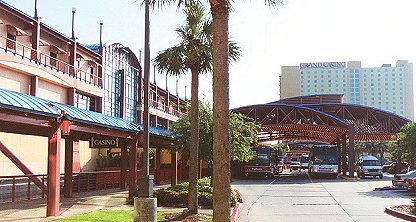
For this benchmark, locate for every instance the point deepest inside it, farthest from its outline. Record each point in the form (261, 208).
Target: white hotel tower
(387, 87)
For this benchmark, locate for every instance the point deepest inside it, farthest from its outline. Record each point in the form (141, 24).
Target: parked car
(385, 168)
(369, 166)
(294, 166)
(394, 168)
(403, 180)
(411, 184)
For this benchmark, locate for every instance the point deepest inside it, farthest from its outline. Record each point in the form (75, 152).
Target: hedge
(178, 195)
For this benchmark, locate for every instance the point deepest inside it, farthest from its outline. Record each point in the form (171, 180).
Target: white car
(369, 166)
(294, 166)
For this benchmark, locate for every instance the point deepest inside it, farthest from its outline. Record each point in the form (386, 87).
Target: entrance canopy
(322, 118)
(29, 115)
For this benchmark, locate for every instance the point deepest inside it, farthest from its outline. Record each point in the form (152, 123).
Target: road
(297, 197)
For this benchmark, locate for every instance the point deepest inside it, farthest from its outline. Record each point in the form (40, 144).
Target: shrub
(178, 195)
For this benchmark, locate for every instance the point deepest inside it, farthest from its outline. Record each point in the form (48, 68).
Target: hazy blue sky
(373, 31)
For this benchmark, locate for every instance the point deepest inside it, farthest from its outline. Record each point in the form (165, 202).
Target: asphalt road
(297, 197)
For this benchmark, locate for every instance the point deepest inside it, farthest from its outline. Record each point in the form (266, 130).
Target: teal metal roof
(35, 105)
(98, 119)
(26, 103)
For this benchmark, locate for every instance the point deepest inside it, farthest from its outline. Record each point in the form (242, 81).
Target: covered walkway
(324, 118)
(29, 115)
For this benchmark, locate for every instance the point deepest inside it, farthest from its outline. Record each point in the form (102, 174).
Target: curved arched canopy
(325, 121)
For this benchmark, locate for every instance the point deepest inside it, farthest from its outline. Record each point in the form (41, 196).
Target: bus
(265, 162)
(323, 160)
(304, 162)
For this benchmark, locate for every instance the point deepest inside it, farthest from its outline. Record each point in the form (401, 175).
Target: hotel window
(11, 41)
(85, 102)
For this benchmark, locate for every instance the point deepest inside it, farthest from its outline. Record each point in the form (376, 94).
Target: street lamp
(145, 182)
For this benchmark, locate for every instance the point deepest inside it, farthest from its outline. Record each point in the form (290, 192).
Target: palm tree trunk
(193, 152)
(221, 115)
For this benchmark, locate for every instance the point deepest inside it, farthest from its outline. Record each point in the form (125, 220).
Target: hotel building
(387, 87)
(103, 79)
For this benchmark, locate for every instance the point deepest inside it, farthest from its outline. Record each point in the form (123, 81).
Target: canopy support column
(339, 154)
(53, 188)
(351, 157)
(69, 164)
(124, 166)
(344, 154)
(133, 166)
(157, 176)
(174, 168)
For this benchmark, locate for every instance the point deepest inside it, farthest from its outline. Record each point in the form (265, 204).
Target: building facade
(387, 87)
(37, 60)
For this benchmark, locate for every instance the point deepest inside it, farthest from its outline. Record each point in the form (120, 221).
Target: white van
(369, 166)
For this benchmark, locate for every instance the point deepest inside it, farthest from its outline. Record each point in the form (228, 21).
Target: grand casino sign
(324, 65)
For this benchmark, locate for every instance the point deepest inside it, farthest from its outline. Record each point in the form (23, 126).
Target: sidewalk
(110, 199)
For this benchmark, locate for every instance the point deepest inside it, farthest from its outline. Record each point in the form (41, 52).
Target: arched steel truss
(323, 122)
(370, 124)
(289, 122)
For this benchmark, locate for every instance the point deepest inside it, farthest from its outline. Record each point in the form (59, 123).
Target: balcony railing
(38, 57)
(162, 107)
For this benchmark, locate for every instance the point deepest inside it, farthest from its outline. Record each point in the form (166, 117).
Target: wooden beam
(53, 188)
(34, 82)
(123, 166)
(174, 168)
(19, 128)
(69, 166)
(133, 166)
(84, 128)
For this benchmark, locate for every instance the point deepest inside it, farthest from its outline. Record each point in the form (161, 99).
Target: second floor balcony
(87, 71)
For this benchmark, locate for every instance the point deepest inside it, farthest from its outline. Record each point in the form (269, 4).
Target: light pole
(145, 206)
(145, 182)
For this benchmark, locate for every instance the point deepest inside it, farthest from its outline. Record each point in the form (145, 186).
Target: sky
(372, 31)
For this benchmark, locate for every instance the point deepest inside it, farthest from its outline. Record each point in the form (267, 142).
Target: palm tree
(220, 84)
(194, 53)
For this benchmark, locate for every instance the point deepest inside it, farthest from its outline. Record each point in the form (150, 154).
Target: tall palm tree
(194, 53)
(220, 84)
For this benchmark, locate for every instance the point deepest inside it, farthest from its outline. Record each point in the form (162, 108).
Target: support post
(351, 154)
(174, 168)
(34, 81)
(73, 47)
(35, 35)
(53, 188)
(124, 166)
(70, 96)
(133, 166)
(344, 154)
(157, 176)
(69, 157)
(339, 154)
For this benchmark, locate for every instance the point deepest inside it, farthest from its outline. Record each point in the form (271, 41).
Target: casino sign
(330, 65)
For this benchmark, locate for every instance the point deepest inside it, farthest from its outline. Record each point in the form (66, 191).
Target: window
(11, 41)
(85, 102)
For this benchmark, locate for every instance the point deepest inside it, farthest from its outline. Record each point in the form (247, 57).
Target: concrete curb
(237, 209)
(399, 214)
(388, 188)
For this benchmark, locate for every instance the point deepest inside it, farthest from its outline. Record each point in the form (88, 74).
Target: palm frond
(273, 3)
(171, 61)
(163, 3)
(234, 51)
